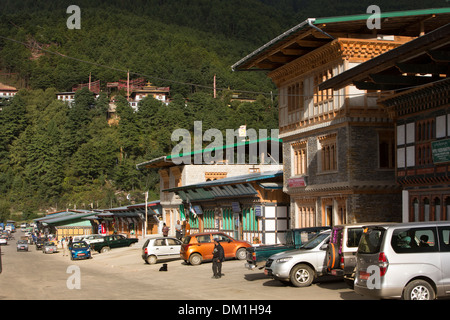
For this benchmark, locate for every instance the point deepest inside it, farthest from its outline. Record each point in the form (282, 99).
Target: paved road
(122, 274)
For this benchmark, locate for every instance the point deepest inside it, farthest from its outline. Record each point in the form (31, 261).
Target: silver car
(49, 247)
(300, 267)
(155, 249)
(408, 260)
(22, 245)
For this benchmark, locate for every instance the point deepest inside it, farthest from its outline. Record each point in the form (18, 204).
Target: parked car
(22, 245)
(93, 238)
(300, 267)
(199, 247)
(80, 250)
(3, 239)
(49, 247)
(295, 238)
(341, 253)
(160, 248)
(113, 241)
(408, 260)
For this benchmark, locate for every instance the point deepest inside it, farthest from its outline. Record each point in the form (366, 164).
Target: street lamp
(146, 212)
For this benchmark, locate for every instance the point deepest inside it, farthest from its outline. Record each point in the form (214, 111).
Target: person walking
(178, 230)
(165, 230)
(218, 258)
(64, 246)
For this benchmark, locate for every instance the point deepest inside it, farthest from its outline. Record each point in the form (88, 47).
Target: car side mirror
(324, 246)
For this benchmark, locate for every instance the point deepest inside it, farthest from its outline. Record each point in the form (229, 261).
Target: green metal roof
(402, 23)
(230, 187)
(392, 14)
(168, 160)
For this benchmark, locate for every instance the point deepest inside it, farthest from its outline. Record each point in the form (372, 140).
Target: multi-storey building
(338, 145)
(416, 77)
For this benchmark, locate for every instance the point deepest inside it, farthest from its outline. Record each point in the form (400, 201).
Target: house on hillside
(338, 145)
(417, 75)
(159, 93)
(7, 92)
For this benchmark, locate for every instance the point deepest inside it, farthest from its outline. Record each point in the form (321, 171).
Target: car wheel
(302, 275)
(195, 259)
(151, 259)
(418, 290)
(105, 249)
(241, 254)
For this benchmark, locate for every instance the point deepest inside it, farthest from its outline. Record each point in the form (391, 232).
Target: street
(122, 274)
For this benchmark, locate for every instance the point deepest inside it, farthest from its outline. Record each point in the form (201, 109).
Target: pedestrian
(165, 230)
(187, 229)
(218, 258)
(64, 246)
(178, 230)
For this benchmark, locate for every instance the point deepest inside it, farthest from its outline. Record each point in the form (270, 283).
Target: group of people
(66, 242)
(181, 229)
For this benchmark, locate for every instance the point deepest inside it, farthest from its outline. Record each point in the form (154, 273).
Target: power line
(270, 94)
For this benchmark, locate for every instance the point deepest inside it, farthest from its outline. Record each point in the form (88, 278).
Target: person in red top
(165, 230)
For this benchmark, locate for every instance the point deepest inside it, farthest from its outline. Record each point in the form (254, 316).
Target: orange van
(199, 247)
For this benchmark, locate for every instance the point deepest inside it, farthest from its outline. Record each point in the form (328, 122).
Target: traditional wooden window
(295, 97)
(321, 96)
(300, 158)
(328, 153)
(386, 149)
(425, 133)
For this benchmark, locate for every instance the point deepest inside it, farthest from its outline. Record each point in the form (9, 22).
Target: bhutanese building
(414, 79)
(338, 145)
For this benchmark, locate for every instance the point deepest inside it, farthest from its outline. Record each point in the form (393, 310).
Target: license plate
(334, 272)
(364, 275)
(81, 254)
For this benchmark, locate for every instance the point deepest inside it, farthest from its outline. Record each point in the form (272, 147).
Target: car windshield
(22, 242)
(49, 244)
(79, 245)
(314, 242)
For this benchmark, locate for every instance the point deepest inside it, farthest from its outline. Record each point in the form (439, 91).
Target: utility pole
(146, 213)
(128, 85)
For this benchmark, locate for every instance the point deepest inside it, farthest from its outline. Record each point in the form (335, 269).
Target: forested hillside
(53, 156)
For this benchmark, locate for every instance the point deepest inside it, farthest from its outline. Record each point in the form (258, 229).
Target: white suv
(408, 260)
(93, 238)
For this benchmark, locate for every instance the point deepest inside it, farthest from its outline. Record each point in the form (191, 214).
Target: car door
(205, 246)
(229, 246)
(161, 248)
(174, 246)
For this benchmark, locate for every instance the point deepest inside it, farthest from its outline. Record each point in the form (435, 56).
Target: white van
(406, 260)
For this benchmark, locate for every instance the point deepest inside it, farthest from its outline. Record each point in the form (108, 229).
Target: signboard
(198, 209)
(258, 211)
(441, 151)
(236, 207)
(297, 182)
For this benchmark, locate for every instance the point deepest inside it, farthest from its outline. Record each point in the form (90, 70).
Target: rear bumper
(250, 266)
(383, 293)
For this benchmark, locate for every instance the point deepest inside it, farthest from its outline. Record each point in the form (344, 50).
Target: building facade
(174, 174)
(338, 145)
(413, 80)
